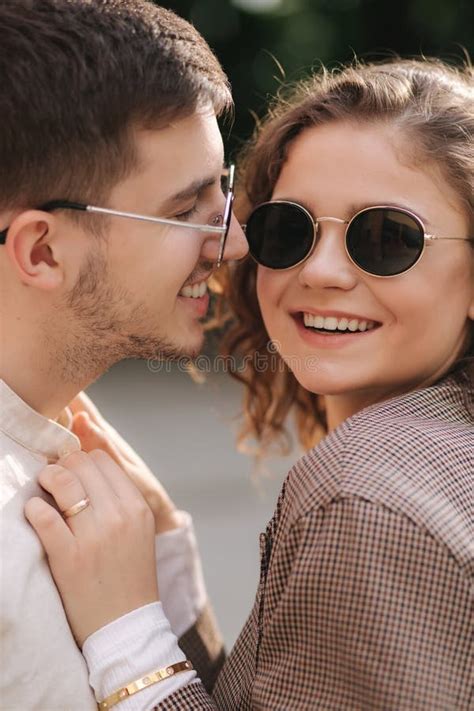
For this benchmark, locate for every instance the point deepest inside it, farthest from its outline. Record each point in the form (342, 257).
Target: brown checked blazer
(366, 573)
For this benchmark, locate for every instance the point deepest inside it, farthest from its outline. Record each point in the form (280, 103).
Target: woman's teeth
(331, 323)
(195, 291)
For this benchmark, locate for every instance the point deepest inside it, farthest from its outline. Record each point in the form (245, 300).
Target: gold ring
(77, 508)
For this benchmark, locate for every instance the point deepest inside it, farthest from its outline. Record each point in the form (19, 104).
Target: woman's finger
(118, 480)
(94, 441)
(86, 417)
(104, 500)
(83, 403)
(63, 485)
(85, 414)
(51, 528)
(93, 437)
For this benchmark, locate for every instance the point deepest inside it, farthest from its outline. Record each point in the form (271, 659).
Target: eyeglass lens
(385, 242)
(279, 235)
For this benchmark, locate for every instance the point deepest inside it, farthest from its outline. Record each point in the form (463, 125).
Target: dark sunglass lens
(385, 242)
(279, 234)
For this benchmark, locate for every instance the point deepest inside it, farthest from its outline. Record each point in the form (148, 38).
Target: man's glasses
(228, 176)
(382, 241)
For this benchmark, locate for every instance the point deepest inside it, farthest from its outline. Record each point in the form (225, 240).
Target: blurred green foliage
(260, 42)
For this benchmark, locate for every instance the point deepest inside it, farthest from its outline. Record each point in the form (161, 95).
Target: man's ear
(31, 246)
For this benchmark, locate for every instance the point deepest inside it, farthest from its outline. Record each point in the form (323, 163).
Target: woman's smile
(329, 331)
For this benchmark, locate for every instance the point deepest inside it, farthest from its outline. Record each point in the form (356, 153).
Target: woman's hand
(102, 559)
(95, 432)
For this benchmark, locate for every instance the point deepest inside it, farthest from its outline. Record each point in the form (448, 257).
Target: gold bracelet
(143, 683)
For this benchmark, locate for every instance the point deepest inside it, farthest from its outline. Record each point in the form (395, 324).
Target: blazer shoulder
(412, 454)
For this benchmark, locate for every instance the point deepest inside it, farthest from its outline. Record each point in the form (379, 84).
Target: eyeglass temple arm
(49, 207)
(432, 238)
(64, 204)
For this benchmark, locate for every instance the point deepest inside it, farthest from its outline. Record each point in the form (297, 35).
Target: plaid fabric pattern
(364, 599)
(203, 644)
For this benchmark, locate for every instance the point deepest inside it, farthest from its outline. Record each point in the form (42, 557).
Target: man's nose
(236, 245)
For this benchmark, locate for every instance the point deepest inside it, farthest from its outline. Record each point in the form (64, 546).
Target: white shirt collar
(33, 431)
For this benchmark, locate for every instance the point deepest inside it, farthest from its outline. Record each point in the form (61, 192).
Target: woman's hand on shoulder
(95, 432)
(103, 557)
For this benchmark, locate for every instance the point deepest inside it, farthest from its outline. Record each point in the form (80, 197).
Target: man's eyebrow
(194, 188)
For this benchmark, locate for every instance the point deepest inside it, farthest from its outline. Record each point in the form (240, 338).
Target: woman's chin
(321, 381)
(326, 383)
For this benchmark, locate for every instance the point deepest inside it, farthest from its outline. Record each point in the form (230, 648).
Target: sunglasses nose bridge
(331, 219)
(337, 220)
(317, 231)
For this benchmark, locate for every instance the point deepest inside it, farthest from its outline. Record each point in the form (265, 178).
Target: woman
(359, 208)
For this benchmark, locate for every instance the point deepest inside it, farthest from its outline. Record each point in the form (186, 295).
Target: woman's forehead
(361, 164)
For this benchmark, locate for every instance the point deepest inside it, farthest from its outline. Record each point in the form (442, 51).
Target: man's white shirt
(41, 665)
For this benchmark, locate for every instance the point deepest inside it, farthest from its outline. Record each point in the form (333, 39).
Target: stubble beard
(105, 326)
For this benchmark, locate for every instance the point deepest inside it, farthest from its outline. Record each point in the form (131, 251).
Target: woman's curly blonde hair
(432, 105)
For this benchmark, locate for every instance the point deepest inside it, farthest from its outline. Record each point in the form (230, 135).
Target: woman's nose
(236, 245)
(329, 265)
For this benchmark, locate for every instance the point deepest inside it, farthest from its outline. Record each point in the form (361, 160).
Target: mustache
(201, 272)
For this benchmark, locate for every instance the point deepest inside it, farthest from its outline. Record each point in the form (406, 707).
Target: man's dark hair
(76, 77)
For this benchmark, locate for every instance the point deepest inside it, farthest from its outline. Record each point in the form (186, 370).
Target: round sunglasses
(383, 241)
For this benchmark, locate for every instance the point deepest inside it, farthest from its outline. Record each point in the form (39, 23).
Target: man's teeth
(195, 291)
(331, 323)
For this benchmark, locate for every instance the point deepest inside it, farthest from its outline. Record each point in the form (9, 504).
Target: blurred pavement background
(186, 434)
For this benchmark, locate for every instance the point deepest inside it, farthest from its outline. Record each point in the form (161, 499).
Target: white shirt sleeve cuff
(130, 647)
(180, 577)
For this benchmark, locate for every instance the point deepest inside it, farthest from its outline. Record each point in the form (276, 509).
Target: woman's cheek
(262, 285)
(272, 287)
(269, 295)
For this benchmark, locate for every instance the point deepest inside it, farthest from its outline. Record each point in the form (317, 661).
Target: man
(108, 107)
